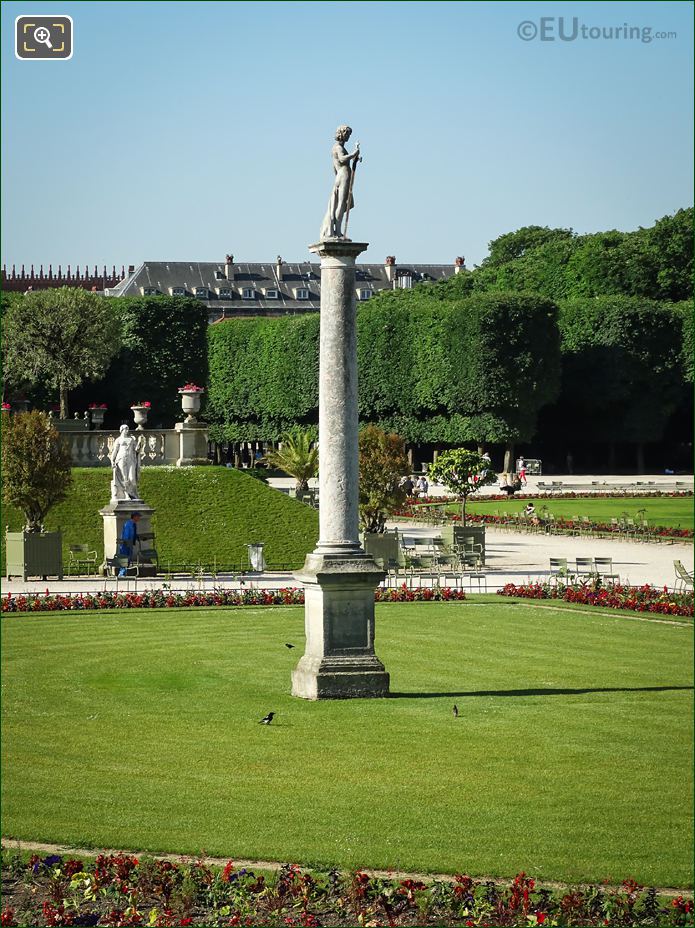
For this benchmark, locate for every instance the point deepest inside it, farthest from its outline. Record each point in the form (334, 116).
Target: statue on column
(341, 200)
(125, 458)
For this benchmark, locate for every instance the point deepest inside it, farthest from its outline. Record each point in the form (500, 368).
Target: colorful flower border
(644, 598)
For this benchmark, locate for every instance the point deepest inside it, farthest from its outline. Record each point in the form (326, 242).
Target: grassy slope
(666, 510)
(202, 513)
(140, 730)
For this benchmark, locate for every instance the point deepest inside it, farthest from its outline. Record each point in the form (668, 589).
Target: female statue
(341, 200)
(125, 464)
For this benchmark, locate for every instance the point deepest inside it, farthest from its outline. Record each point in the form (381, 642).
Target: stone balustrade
(162, 446)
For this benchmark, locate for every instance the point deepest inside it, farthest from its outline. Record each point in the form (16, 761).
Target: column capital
(340, 248)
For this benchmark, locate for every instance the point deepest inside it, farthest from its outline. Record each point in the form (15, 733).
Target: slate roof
(164, 276)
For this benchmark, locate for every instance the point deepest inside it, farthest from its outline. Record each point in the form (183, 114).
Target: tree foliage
(462, 472)
(513, 245)
(60, 337)
(622, 366)
(164, 347)
(654, 262)
(298, 456)
(383, 462)
(36, 468)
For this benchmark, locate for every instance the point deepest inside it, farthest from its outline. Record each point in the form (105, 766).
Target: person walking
(521, 470)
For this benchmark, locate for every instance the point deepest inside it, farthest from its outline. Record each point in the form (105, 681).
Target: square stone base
(339, 662)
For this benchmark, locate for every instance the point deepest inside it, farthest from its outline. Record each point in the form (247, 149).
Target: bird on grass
(267, 719)
(288, 645)
(456, 711)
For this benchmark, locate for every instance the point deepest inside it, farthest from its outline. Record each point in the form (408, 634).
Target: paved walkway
(512, 557)
(587, 483)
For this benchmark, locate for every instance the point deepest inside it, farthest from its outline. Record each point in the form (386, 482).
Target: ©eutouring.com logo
(559, 28)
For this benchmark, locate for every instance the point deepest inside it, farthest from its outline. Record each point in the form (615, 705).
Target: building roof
(211, 281)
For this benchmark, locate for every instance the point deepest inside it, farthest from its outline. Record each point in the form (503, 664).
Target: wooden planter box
(34, 554)
(384, 546)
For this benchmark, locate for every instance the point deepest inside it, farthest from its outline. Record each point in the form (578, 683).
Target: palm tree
(296, 457)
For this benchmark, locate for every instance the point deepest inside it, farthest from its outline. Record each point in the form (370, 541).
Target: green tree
(383, 462)
(462, 472)
(61, 337)
(35, 466)
(513, 245)
(298, 456)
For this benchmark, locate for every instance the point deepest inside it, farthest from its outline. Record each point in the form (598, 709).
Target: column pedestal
(193, 443)
(339, 578)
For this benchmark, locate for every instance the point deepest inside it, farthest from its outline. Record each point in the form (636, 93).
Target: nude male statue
(341, 200)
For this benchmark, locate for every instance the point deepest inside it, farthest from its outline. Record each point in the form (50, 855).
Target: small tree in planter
(36, 467)
(462, 472)
(296, 457)
(36, 475)
(383, 462)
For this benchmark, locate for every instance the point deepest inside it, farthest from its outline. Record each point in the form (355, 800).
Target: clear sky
(186, 130)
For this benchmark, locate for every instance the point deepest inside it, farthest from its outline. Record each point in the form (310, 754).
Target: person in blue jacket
(128, 540)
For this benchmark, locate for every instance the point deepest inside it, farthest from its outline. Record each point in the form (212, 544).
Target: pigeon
(288, 645)
(267, 719)
(456, 711)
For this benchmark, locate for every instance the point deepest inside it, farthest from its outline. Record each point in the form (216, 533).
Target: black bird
(456, 711)
(288, 645)
(267, 719)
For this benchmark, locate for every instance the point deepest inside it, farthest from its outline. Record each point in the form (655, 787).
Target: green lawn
(571, 758)
(674, 511)
(202, 514)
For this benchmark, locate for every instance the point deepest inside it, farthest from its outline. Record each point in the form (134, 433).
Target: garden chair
(115, 565)
(585, 567)
(604, 568)
(81, 556)
(684, 579)
(558, 568)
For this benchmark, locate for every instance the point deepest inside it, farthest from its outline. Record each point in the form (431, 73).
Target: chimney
(390, 267)
(278, 268)
(229, 267)
(131, 269)
(460, 264)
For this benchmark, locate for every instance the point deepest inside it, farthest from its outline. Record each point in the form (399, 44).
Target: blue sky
(188, 130)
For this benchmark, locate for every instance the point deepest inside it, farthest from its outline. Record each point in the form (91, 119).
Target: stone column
(339, 577)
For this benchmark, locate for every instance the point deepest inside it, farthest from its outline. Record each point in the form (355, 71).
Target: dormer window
(178, 291)
(405, 282)
(364, 294)
(302, 293)
(272, 294)
(202, 293)
(248, 293)
(150, 291)
(225, 293)
(219, 275)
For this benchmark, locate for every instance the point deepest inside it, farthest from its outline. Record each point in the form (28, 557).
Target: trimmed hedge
(431, 368)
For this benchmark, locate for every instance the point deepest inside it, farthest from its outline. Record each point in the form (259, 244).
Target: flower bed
(167, 599)
(611, 596)
(121, 889)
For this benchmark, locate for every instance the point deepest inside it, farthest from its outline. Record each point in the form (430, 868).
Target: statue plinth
(339, 578)
(115, 515)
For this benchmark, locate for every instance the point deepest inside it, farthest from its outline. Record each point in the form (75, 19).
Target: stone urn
(140, 416)
(97, 414)
(190, 403)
